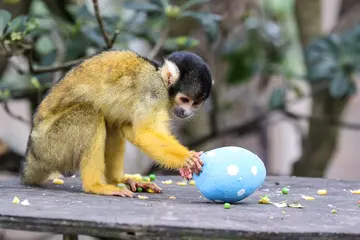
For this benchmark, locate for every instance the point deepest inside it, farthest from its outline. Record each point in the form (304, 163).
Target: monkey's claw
(133, 184)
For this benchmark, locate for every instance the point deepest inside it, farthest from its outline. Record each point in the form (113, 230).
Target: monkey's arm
(157, 142)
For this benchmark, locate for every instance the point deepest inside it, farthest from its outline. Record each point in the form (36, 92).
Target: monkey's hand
(194, 164)
(134, 184)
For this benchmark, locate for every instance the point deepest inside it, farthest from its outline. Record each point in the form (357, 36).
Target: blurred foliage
(335, 59)
(54, 40)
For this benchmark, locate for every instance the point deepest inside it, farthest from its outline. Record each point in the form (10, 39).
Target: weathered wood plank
(66, 209)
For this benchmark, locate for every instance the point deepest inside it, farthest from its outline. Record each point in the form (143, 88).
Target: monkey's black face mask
(194, 83)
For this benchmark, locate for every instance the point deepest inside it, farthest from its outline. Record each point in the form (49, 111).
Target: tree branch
(101, 24)
(11, 114)
(163, 35)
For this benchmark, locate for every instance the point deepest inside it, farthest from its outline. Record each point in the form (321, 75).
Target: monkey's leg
(92, 167)
(114, 161)
(114, 155)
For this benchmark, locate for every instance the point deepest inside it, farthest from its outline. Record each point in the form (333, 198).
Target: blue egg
(230, 174)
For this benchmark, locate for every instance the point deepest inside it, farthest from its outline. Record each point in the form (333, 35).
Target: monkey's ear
(170, 72)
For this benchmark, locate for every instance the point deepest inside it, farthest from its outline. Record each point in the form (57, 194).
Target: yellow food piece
(142, 197)
(58, 181)
(322, 192)
(167, 182)
(172, 197)
(16, 200)
(192, 182)
(150, 190)
(264, 200)
(181, 183)
(333, 211)
(355, 191)
(307, 197)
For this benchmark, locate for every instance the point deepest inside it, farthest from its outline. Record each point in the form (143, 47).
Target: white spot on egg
(211, 154)
(254, 170)
(232, 170)
(233, 149)
(241, 192)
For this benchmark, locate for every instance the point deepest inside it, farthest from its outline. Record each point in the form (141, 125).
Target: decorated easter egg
(230, 174)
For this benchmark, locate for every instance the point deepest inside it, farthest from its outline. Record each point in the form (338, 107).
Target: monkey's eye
(184, 99)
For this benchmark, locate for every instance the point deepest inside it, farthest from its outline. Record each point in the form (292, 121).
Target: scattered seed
(25, 202)
(152, 177)
(167, 182)
(333, 211)
(192, 182)
(355, 191)
(322, 192)
(285, 190)
(181, 183)
(142, 197)
(16, 200)
(172, 197)
(58, 181)
(307, 197)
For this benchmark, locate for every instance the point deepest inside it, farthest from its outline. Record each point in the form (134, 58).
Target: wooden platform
(66, 209)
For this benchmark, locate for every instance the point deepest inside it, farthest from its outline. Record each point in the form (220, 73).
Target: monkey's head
(189, 82)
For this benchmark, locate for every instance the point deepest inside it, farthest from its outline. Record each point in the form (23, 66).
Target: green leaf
(44, 45)
(35, 82)
(143, 6)
(17, 25)
(209, 20)
(183, 42)
(277, 99)
(5, 17)
(191, 3)
(340, 85)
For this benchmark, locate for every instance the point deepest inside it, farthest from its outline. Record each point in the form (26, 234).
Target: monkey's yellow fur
(85, 119)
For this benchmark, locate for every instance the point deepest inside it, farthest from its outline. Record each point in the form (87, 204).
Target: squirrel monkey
(112, 97)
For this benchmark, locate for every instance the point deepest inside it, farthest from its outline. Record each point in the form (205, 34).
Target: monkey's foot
(134, 184)
(109, 190)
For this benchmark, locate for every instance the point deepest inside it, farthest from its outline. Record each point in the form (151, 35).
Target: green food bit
(285, 190)
(333, 211)
(227, 205)
(139, 189)
(152, 177)
(147, 179)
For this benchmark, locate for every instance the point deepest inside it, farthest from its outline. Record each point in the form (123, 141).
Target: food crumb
(227, 205)
(16, 200)
(25, 202)
(142, 197)
(192, 182)
(58, 181)
(333, 211)
(322, 192)
(172, 197)
(167, 182)
(181, 183)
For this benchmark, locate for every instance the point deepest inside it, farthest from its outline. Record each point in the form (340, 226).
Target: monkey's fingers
(123, 193)
(151, 186)
(185, 173)
(132, 184)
